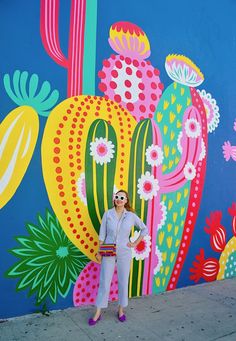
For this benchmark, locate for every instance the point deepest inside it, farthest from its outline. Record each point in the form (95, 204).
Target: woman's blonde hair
(127, 204)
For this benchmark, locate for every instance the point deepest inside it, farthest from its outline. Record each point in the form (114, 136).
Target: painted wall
(134, 95)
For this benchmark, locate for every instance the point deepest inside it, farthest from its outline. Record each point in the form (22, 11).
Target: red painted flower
(232, 212)
(204, 268)
(217, 231)
(232, 209)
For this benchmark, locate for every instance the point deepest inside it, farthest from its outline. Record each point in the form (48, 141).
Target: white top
(114, 230)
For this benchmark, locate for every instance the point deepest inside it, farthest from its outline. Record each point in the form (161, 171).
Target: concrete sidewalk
(202, 312)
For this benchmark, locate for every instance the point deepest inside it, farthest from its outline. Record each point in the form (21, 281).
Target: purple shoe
(121, 318)
(92, 322)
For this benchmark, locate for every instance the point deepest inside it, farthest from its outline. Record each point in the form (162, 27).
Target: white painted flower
(203, 151)
(158, 261)
(81, 188)
(189, 171)
(163, 210)
(154, 155)
(148, 186)
(179, 142)
(102, 150)
(192, 128)
(212, 110)
(142, 250)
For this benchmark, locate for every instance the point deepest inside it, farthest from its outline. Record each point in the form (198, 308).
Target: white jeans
(106, 273)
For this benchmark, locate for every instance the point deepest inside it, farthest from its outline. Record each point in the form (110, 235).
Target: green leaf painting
(25, 92)
(49, 263)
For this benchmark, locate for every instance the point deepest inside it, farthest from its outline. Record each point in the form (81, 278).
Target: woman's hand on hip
(131, 244)
(98, 257)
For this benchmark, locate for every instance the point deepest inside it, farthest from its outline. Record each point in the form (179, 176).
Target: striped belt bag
(109, 250)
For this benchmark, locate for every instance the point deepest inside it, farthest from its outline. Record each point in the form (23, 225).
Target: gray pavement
(201, 312)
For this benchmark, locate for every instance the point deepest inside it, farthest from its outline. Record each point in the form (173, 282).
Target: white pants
(107, 270)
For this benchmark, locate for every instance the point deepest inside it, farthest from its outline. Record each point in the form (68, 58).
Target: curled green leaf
(24, 89)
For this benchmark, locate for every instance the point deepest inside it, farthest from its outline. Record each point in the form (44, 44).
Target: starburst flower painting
(49, 263)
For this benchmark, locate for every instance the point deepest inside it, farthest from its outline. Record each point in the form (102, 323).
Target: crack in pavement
(221, 337)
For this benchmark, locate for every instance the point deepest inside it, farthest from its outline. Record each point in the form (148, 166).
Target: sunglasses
(120, 197)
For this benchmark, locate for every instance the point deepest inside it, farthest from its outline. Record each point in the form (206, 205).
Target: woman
(115, 228)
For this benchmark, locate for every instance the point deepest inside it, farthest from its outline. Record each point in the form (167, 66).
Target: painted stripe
(142, 209)
(89, 65)
(105, 198)
(133, 202)
(95, 181)
(5, 179)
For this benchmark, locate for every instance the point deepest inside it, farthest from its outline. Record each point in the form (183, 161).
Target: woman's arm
(144, 231)
(102, 235)
(103, 228)
(136, 242)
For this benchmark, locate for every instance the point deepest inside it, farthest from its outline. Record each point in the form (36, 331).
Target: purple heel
(121, 318)
(92, 322)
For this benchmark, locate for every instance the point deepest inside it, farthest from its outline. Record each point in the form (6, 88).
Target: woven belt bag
(107, 250)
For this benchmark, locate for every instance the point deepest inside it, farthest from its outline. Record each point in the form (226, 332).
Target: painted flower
(158, 261)
(102, 150)
(49, 263)
(192, 128)
(148, 186)
(203, 151)
(189, 171)
(163, 210)
(182, 70)
(81, 188)
(142, 250)
(229, 151)
(154, 155)
(179, 145)
(212, 110)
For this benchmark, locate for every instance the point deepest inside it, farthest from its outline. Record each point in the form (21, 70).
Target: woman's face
(120, 199)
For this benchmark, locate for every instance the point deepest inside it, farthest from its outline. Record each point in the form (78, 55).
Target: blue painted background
(202, 30)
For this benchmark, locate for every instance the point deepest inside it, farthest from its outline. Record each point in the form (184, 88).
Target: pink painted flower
(148, 186)
(102, 150)
(142, 250)
(192, 128)
(229, 151)
(81, 188)
(189, 171)
(154, 155)
(212, 110)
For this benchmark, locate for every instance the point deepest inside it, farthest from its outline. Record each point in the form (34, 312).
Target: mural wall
(91, 103)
